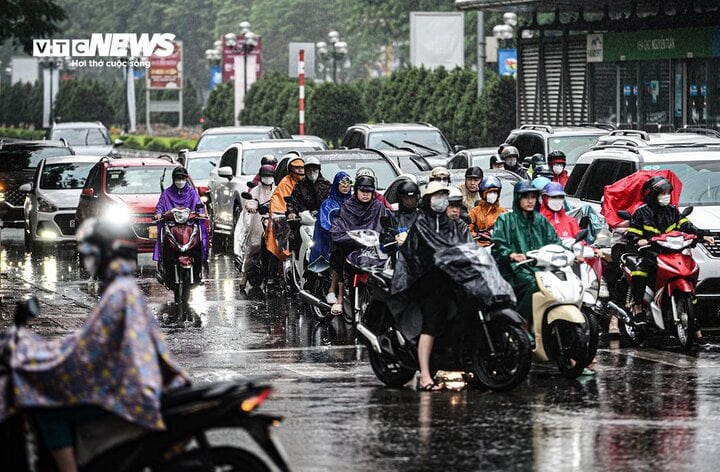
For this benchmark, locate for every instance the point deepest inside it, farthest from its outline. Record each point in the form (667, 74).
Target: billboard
(229, 54)
(166, 72)
(437, 39)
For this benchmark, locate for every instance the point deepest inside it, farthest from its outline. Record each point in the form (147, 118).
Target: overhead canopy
(587, 5)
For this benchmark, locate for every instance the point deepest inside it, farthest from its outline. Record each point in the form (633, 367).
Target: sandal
(431, 387)
(337, 309)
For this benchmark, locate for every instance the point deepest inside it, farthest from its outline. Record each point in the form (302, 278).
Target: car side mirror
(25, 188)
(225, 171)
(459, 147)
(624, 215)
(246, 195)
(118, 142)
(182, 156)
(686, 212)
(87, 193)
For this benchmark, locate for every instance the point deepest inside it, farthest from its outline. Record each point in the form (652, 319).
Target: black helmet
(542, 170)
(268, 159)
(364, 181)
(408, 189)
(104, 240)
(474, 172)
(538, 158)
(524, 187)
(557, 156)
(179, 172)
(654, 187)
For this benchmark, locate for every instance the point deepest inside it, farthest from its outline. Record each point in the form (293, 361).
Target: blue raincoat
(329, 209)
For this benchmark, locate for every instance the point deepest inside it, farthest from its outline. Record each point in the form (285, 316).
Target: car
(52, 198)
(199, 165)
(422, 138)
(128, 189)
(87, 138)
(543, 139)
(408, 162)
(698, 168)
(18, 161)
(475, 157)
(310, 137)
(219, 138)
(238, 165)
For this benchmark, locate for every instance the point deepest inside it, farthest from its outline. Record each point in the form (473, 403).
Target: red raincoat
(565, 225)
(562, 179)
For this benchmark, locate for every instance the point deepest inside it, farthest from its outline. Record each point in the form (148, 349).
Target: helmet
(408, 189)
(500, 148)
(490, 182)
(474, 172)
(495, 160)
(100, 240)
(557, 156)
(509, 151)
(439, 172)
(365, 181)
(554, 189)
(364, 171)
(536, 159)
(542, 170)
(179, 172)
(267, 170)
(312, 161)
(268, 159)
(456, 196)
(525, 187)
(655, 186)
(435, 187)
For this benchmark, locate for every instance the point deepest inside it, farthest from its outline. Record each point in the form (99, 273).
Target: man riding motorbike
(307, 195)
(657, 216)
(557, 162)
(277, 231)
(267, 159)
(510, 156)
(377, 195)
(536, 160)
(440, 174)
(417, 279)
(516, 233)
(469, 188)
(117, 363)
(484, 215)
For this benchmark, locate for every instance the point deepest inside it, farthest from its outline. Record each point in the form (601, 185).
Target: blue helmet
(524, 187)
(490, 182)
(554, 189)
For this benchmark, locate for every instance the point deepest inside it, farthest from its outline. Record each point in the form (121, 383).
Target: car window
(67, 176)
(82, 136)
(700, 181)
(220, 142)
(138, 180)
(200, 168)
(422, 140)
(572, 146)
(384, 171)
(251, 157)
(12, 160)
(482, 161)
(601, 173)
(93, 179)
(458, 162)
(575, 178)
(527, 144)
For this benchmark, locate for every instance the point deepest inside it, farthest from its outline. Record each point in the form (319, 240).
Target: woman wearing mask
(557, 162)
(552, 207)
(484, 215)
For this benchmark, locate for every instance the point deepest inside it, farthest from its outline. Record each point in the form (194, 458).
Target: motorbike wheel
(634, 335)
(223, 458)
(593, 333)
(686, 328)
(319, 286)
(573, 356)
(387, 369)
(510, 364)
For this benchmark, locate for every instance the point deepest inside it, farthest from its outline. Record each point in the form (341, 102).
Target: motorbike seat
(195, 393)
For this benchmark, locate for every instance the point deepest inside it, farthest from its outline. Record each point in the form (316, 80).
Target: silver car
(52, 198)
(86, 138)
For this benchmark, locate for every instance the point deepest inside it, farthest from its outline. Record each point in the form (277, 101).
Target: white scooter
(297, 263)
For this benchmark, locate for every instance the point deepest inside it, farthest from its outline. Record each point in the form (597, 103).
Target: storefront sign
(166, 72)
(651, 45)
(693, 90)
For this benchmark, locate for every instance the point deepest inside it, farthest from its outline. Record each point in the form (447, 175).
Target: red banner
(228, 58)
(166, 72)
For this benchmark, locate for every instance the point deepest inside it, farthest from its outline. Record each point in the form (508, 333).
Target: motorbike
(181, 244)
(561, 330)
(296, 265)
(486, 341)
(189, 413)
(256, 274)
(668, 307)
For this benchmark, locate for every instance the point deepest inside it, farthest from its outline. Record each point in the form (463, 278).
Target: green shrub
(21, 133)
(177, 145)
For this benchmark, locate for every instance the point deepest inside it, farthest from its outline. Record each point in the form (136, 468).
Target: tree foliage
(25, 20)
(220, 107)
(332, 108)
(83, 100)
(497, 109)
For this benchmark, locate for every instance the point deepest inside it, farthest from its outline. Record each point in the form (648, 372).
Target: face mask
(664, 200)
(511, 162)
(491, 197)
(558, 168)
(312, 175)
(180, 184)
(267, 180)
(439, 203)
(555, 204)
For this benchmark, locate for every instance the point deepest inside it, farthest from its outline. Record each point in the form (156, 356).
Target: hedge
(21, 133)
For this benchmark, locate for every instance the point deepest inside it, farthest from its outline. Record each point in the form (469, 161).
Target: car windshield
(14, 160)
(67, 176)
(251, 157)
(572, 146)
(219, 142)
(138, 180)
(420, 140)
(82, 136)
(700, 181)
(482, 160)
(199, 168)
(384, 171)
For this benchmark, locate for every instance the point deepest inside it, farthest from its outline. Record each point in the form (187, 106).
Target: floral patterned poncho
(118, 360)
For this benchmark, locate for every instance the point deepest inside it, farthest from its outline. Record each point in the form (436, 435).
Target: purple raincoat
(174, 198)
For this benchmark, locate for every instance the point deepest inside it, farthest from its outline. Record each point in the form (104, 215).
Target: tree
(83, 100)
(220, 107)
(497, 109)
(332, 108)
(25, 20)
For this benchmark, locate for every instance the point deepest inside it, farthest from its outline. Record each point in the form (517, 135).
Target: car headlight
(117, 212)
(45, 206)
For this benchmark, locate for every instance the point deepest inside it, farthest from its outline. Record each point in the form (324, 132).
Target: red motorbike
(668, 307)
(182, 252)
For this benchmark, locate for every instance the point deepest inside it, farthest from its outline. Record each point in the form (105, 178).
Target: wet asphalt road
(647, 409)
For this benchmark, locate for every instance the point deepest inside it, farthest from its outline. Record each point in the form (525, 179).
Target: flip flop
(431, 387)
(337, 309)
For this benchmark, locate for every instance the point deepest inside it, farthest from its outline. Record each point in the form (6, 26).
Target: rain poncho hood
(172, 197)
(565, 225)
(117, 360)
(329, 209)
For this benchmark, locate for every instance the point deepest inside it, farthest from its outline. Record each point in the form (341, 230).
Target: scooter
(256, 274)
(181, 266)
(669, 305)
(110, 443)
(485, 341)
(561, 330)
(296, 264)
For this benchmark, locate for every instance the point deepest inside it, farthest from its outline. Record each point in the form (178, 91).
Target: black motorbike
(189, 413)
(483, 336)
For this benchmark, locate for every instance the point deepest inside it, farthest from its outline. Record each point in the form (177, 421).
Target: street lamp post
(247, 46)
(51, 63)
(213, 56)
(505, 32)
(339, 51)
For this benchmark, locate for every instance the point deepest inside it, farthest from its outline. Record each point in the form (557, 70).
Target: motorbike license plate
(152, 232)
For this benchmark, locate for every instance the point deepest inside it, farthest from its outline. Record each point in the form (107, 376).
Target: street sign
(166, 72)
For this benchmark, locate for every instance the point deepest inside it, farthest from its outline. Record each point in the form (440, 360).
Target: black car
(18, 162)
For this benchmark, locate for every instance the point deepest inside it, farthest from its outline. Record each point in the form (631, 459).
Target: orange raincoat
(279, 207)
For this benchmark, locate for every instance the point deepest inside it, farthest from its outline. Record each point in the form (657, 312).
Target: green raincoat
(516, 233)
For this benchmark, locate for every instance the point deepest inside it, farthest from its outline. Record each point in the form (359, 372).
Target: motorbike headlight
(560, 260)
(181, 216)
(45, 206)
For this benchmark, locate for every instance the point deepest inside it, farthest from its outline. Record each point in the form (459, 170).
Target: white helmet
(365, 171)
(312, 161)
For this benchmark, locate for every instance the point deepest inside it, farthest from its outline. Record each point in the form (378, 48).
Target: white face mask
(267, 180)
(180, 184)
(664, 200)
(558, 168)
(439, 203)
(491, 197)
(312, 175)
(556, 204)
(512, 162)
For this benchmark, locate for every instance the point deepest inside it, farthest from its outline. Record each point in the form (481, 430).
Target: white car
(52, 198)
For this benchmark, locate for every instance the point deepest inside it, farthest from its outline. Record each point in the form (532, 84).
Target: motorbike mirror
(26, 309)
(582, 234)
(584, 222)
(246, 195)
(264, 209)
(686, 211)
(625, 215)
